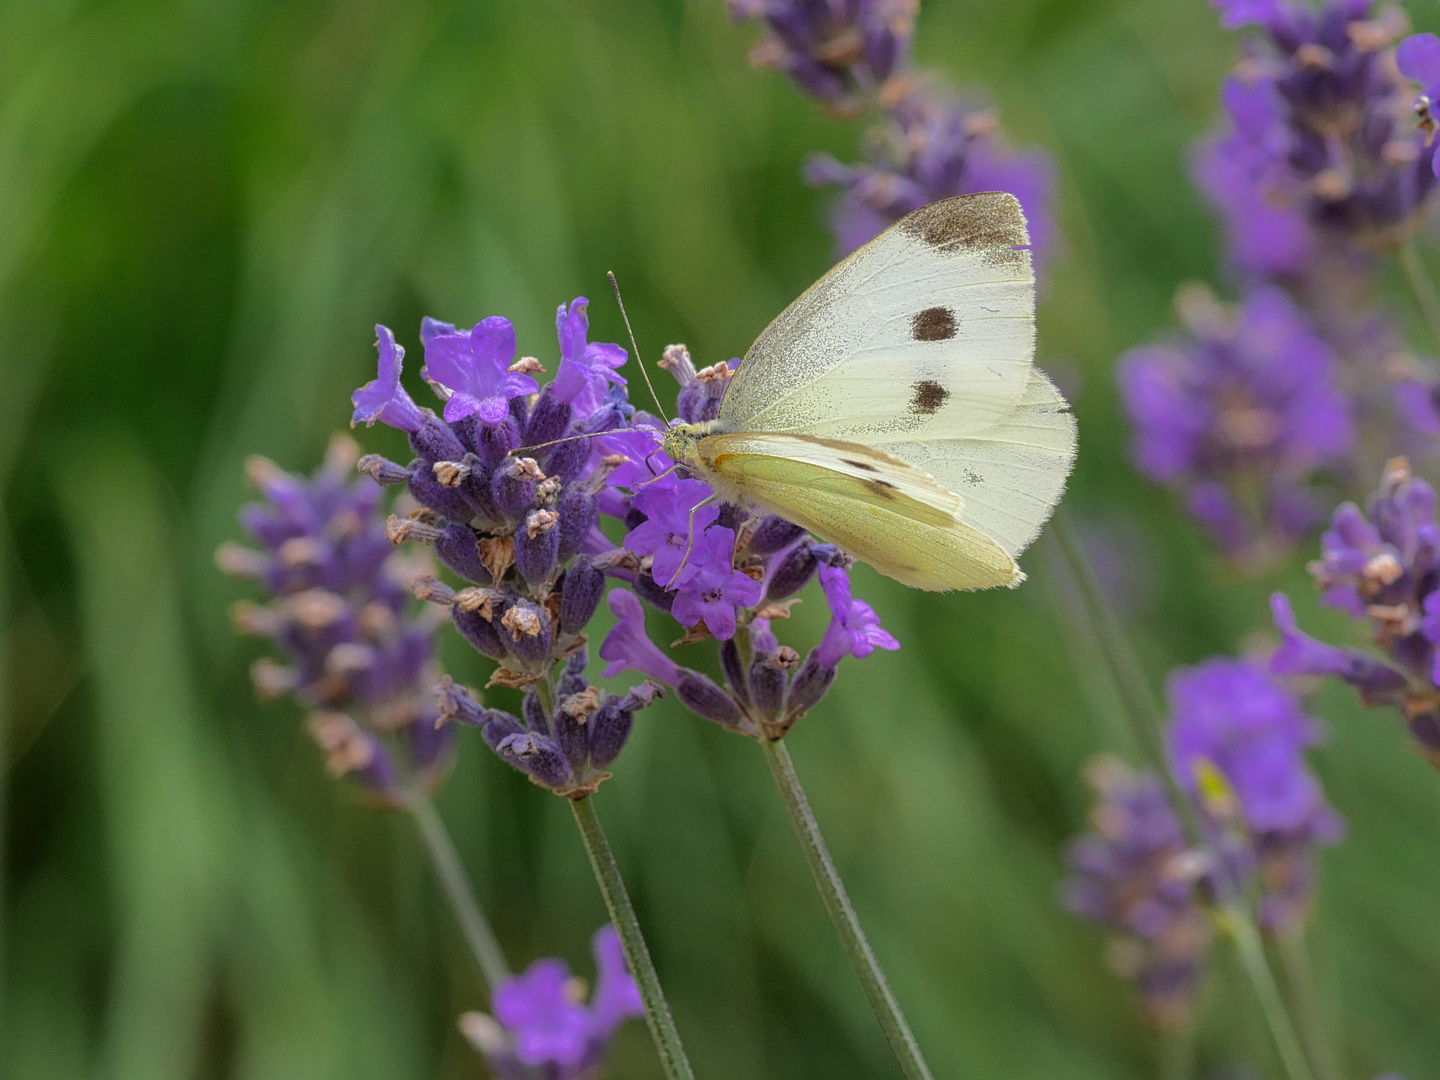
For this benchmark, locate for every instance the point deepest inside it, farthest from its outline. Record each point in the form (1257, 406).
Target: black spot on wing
(882, 488)
(929, 396)
(863, 465)
(933, 324)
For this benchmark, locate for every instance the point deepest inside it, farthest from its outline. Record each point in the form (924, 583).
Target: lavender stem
(446, 861)
(842, 914)
(1421, 285)
(637, 956)
(1241, 929)
(1299, 977)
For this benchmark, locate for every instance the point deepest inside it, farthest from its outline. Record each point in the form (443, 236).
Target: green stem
(842, 914)
(1252, 958)
(1421, 285)
(446, 860)
(1300, 983)
(637, 956)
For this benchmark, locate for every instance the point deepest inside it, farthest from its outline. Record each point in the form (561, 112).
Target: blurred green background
(205, 207)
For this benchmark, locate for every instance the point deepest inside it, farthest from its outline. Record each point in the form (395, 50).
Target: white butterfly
(895, 410)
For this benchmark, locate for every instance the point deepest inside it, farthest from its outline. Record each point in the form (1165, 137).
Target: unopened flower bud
(774, 534)
(536, 543)
(457, 547)
(382, 470)
(536, 755)
(582, 588)
(525, 630)
(705, 699)
(796, 569)
(479, 631)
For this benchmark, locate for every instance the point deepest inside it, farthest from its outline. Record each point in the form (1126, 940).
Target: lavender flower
(1135, 876)
(471, 370)
(1239, 413)
(1384, 569)
(842, 52)
(355, 656)
(542, 1027)
(1233, 728)
(1322, 147)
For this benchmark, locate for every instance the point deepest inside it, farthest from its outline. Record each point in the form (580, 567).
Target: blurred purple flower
(1135, 876)
(1321, 132)
(355, 656)
(541, 1027)
(472, 367)
(1418, 58)
(1239, 413)
(1230, 718)
(1384, 569)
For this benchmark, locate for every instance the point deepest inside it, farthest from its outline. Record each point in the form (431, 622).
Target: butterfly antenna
(615, 287)
(520, 451)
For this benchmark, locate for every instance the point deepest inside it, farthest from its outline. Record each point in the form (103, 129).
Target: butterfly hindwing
(880, 509)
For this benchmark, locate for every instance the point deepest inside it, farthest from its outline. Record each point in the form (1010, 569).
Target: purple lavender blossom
(1384, 568)
(627, 647)
(715, 589)
(541, 1025)
(1239, 413)
(1135, 876)
(1322, 134)
(1232, 721)
(666, 534)
(1418, 58)
(586, 368)
(854, 629)
(841, 52)
(355, 655)
(383, 398)
(472, 368)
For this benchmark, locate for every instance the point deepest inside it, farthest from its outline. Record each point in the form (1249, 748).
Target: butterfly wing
(882, 510)
(921, 345)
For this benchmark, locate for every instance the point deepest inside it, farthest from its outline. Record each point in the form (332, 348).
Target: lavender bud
(774, 534)
(513, 489)
(456, 548)
(577, 663)
(584, 583)
(520, 411)
(609, 729)
(536, 542)
(534, 712)
(732, 516)
(734, 671)
(497, 440)
(572, 727)
(499, 726)
(651, 592)
(465, 430)
(809, 685)
(767, 685)
(705, 699)
(457, 704)
(567, 460)
(793, 574)
(578, 515)
(382, 470)
(536, 755)
(571, 682)
(525, 630)
(549, 420)
(445, 501)
(479, 632)
(436, 442)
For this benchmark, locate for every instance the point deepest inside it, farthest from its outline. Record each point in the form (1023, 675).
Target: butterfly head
(682, 442)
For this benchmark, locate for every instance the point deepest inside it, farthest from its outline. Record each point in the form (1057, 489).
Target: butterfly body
(894, 408)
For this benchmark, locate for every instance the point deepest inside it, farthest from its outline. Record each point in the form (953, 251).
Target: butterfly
(895, 409)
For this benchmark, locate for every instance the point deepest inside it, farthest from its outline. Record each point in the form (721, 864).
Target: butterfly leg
(654, 479)
(690, 533)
